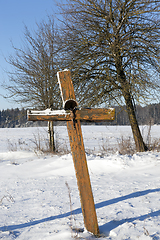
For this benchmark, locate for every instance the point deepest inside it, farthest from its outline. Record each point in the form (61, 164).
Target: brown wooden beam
(54, 115)
(66, 85)
(79, 158)
(95, 114)
(82, 175)
(92, 115)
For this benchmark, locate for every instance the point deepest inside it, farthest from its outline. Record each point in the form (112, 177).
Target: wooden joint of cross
(73, 115)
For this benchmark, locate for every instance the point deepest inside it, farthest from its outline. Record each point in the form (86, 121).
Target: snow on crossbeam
(49, 115)
(48, 111)
(84, 114)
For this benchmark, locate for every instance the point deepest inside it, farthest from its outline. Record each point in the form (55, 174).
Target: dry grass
(126, 146)
(61, 146)
(8, 197)
(154, 145)
(40, 145)
(105, 148)
(74, 230)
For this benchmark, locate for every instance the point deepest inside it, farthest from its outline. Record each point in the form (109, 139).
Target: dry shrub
(105, 148)
(154, 145)
(62, 148)
(12, 146)
(40, 142)
(126, 146)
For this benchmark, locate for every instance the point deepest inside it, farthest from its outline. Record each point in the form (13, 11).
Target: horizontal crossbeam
(49, 115)
(86, 114)
(95, 114)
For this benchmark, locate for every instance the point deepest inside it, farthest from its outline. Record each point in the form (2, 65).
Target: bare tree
(113, 48)
(33, 81)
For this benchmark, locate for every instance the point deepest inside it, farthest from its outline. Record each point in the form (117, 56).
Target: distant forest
(12, 118)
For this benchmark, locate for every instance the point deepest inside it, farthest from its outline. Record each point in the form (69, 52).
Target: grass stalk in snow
(8, 197)
(74, 229)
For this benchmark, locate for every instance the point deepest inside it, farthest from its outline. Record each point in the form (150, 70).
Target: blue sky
(14, 14)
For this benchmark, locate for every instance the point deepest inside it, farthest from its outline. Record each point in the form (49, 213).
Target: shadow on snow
(104, 228)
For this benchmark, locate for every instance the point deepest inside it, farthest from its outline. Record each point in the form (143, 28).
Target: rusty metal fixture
(70, 104)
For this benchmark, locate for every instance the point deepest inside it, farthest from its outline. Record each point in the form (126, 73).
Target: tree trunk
(51, 136)
(125, 88)
(140, 145)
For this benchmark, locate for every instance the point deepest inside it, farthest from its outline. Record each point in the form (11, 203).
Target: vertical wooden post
(51, 136)
(79, 157)
(83, 180)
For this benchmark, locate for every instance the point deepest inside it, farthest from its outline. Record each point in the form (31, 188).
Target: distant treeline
(145, 115)
(15, 118)
(12, 118)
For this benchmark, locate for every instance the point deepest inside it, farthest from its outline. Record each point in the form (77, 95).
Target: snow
(59, 82)
(48, 111)
(34, 198)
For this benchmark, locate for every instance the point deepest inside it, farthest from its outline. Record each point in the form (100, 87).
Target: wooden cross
(72, 115)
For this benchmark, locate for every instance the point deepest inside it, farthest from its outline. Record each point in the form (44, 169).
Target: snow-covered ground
(34, 198)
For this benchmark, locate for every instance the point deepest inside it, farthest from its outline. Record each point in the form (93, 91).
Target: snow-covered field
(34, 198)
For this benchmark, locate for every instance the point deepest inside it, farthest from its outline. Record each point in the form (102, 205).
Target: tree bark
(140, 145)
(51, 136)
(125, 88)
